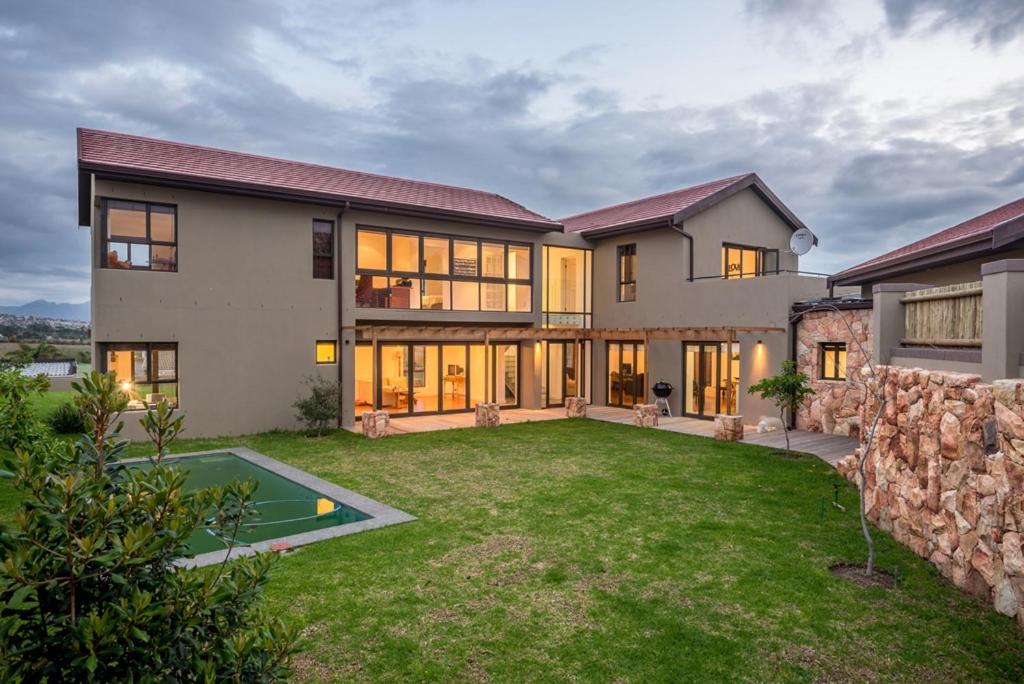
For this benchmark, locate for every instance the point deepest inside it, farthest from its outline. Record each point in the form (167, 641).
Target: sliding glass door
(627, 371)
(711, 377)
(563, 372)
(422, 378)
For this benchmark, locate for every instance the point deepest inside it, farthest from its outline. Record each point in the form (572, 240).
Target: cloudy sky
(876, 121)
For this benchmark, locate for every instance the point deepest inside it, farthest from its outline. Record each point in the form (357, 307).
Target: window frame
(450, 277)
(105, 239)
(149, 348)
(625, 250)
(331, 256)
(759, 268)
(316, 353)
(823, 348)
(586, 317)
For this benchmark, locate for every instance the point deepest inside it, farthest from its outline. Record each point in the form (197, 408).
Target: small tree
(163, 427)
(321, 406)
(90, 589)
(787, 391)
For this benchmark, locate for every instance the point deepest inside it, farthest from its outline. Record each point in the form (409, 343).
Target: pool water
(283, 507)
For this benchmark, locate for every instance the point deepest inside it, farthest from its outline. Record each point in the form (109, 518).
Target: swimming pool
(292, 506)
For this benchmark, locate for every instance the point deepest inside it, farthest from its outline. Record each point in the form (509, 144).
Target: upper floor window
(323, 249)
(627, 273)
(833, 361)
(407, 270)
(568, 296)
(139, 235)
(741, 261)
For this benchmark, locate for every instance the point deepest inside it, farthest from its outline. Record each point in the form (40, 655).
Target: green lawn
(598, 552)
(45, 403)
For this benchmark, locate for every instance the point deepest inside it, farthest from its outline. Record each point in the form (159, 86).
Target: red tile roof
(648, 209)
(147, 157)
(977, 227)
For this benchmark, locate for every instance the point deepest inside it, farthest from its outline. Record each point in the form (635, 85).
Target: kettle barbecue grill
(662, 391)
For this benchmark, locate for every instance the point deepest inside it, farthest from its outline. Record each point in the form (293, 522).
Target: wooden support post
(728, 371)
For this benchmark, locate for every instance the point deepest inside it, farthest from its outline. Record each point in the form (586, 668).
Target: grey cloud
(473, 126)
(991, 21)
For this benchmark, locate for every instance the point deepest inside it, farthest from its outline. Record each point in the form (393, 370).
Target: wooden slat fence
(948, 316)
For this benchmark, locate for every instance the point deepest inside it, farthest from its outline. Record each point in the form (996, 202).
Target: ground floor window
(435, 377)
(833, 361)
(627, 371)
(711, 378)
(147, 373)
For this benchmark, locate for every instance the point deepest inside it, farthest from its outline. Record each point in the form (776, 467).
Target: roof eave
(932, 257)
(128, 174)
(751, 180)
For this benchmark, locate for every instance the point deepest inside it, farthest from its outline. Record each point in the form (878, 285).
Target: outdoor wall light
(126, 386)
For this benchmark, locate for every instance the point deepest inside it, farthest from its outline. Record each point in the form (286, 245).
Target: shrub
(19, 425)
(89, 588)
(66, 419)
(320, 408)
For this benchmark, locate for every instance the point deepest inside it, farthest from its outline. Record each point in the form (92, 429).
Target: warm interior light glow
(126, 386)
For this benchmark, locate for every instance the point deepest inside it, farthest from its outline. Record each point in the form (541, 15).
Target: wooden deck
(829, 448)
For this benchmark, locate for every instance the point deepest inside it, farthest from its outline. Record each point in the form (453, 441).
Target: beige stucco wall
(246, 311)
(243, 307)
(666, 299)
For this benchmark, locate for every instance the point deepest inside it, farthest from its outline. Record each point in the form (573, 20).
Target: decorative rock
(945, 474)
(376, 424)
(728, 428)
(575, 407)
(488, 415)
(645, 415)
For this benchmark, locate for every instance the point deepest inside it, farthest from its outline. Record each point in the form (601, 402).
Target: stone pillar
(488, 415)
(645, 415)
(888, 322)
(1002, 322)
(575, 407)
(376, 424)
(728, 428)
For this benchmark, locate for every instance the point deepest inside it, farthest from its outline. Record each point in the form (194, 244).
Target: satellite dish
(801, 242)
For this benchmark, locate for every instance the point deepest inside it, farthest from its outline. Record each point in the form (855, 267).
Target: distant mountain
(41, 308)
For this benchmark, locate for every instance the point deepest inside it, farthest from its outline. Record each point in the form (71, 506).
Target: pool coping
(381, 515)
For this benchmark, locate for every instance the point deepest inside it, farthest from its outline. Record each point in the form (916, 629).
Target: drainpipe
(337, 275)
(678, 227)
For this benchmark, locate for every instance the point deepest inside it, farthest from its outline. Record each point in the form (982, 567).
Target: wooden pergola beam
(482, 333)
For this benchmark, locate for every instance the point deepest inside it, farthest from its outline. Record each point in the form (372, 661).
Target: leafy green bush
(89, 585)
(320, 408)
(66, 419)
(19, 425)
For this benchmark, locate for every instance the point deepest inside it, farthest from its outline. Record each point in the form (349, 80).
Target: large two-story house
(221, 280)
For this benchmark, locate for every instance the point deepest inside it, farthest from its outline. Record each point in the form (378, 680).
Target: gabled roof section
(976, 236)
(675, 206)
(131, 157)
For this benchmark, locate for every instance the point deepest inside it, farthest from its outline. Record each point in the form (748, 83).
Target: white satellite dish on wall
(801, 242)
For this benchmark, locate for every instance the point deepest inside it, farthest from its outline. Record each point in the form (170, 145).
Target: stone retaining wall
(834, 406)
(946, 476)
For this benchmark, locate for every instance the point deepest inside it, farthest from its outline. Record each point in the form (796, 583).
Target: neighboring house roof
(51, 368)
(130, 157)
(675, 206)
(974, 237)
